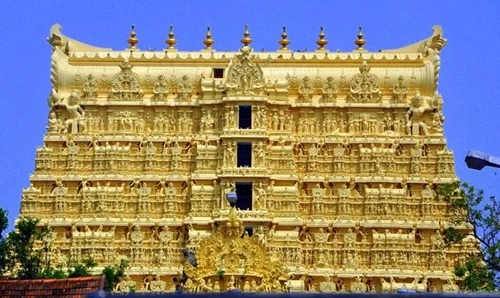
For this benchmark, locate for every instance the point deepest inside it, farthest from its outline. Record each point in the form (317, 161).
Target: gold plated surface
(346, 153)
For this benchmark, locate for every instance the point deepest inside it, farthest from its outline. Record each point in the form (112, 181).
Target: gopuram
(334, 159)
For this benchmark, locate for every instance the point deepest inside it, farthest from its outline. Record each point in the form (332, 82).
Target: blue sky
(469, 79)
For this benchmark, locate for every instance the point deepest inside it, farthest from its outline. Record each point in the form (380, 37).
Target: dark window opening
(245, 117)
(244, 193)
(218, 73)
(249, 231)
(244, 155)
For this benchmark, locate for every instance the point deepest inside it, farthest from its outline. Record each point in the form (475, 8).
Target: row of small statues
(67, 115)
(187, 234)
(268, 285)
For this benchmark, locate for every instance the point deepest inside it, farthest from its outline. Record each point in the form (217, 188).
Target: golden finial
(208, 42)
(171, 41)
(322, 42)
(132, 39)
(246, 40)
(360, 42)
(284, 42)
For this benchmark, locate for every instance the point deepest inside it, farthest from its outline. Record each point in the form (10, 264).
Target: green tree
(23, 253)
(113, 274)
(24, 258)
(3, 243)
(468, 207)
(4, 221)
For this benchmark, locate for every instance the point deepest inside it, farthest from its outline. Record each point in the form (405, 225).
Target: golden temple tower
(335, 158)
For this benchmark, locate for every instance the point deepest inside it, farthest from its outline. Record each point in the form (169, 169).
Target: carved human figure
(306, 89)
(230, 118)
(74, 111)
(415, 116)
(349, 238)
(437, 117)
(260, 195)
(437, 239)
(400, 89)
(330, 89)
(305, 234)
(229, 154)
(260, 154)
(260, 114)
(157, 285)
(125, 285)
(55, 124)
(231, 283)
(185, 88)
(90, 87)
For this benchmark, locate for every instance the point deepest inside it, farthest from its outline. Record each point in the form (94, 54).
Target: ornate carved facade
(335, 158)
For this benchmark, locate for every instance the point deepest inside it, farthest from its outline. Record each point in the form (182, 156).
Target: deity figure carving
(90, 88)
(229, 154)
(306, 89)
(125, 285)
(185, 89)
(415, 124)
(136, 235)
(207, 121)
(437, 116)
(358, 286)
(125, 85)
(330, 90)
(400, 90)
(260, 155)
(230, 117)
(428, 193)
(55, 125)
(157, 285)
(244, 76)
(364, 87)
(437, 239)
(260, 117)
(160, 88)
(305, 234)
(349, 238)
(259, 195)
(75, 113)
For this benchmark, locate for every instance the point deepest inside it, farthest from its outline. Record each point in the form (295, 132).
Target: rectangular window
(218, 73)
(244, 155)
(245, 117)
(244, 193)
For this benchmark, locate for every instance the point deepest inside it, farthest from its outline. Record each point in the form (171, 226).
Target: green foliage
(82, 269)
(4, 221)
(57, 272)
(24, 260)
(113, 274)
(220, 273)
(468, 208)
(475, 276)
(21, 256)
(3, 243)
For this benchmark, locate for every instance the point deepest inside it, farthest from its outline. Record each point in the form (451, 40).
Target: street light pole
(478, 160)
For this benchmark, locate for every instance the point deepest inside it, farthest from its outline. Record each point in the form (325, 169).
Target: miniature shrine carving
(125, 85)
(244, 77)
(364, 87)
(252, 171)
